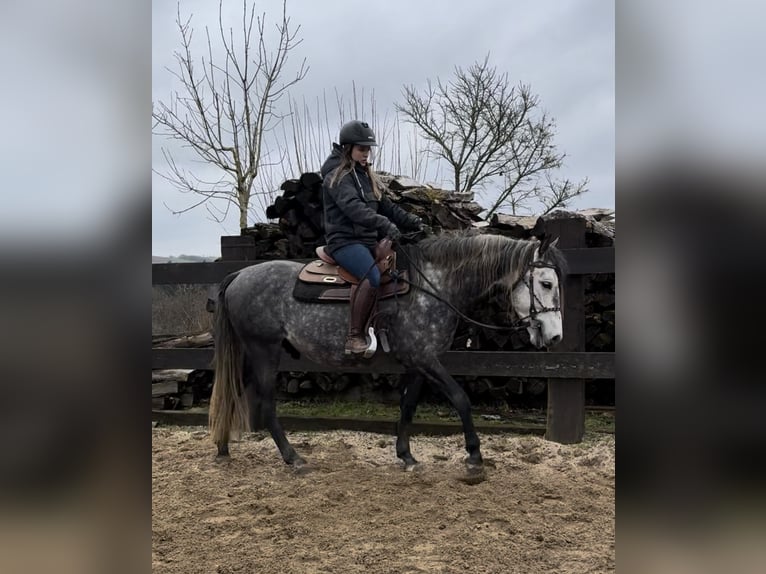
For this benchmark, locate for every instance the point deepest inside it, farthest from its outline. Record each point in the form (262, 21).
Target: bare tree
(485, 128)
(553, 194)
(226, 107)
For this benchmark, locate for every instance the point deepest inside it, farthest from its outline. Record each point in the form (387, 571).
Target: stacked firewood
(299, 210)
(440, 209)
(181, 388)
(599, 225)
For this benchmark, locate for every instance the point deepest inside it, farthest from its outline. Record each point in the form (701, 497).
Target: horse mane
(484, 259)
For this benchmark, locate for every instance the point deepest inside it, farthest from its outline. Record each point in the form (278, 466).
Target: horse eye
(547, 284)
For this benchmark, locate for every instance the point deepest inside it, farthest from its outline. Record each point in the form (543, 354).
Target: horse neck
(466, 268)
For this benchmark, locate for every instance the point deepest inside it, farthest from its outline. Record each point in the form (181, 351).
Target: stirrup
(373, 346)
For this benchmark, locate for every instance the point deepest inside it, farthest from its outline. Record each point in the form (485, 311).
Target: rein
(519, 324)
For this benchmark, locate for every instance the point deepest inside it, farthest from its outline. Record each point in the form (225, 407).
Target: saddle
(324, 280)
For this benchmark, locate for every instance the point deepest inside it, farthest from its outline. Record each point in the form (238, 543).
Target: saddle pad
(337, 293)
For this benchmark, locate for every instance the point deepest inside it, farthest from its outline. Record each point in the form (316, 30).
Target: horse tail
(228, 407)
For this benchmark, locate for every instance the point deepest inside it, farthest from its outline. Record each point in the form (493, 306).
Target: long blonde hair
(346, 166)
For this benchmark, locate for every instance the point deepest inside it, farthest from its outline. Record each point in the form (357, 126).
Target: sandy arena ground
(541, 508)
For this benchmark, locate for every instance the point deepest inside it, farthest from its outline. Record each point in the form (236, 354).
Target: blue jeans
(358, 260)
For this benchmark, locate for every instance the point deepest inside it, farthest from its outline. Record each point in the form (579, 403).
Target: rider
(356, 213)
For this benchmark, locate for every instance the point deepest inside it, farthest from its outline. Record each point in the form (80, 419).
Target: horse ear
(554, 243)
(544, 244)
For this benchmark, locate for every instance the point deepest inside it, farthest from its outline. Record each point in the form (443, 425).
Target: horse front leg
(438, 375)
(412, 383)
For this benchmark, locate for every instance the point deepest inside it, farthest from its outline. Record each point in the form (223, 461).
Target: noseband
(531, 319)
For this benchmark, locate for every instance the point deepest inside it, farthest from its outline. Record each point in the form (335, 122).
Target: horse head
(536, 296)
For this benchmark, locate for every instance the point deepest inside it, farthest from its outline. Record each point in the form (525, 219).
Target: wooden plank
(182, 358)
(194, 273)
(581, 261)
(178, 375)
(164, 388)
(237, 241)
(481, 363)
(566, 396)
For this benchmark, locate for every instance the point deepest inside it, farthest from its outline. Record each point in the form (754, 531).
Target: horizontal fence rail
(581, 261)
(573, 365)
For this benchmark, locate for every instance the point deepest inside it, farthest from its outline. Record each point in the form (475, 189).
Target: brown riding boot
(362, 302)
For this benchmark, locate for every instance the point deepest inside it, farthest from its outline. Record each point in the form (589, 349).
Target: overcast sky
(564, 50)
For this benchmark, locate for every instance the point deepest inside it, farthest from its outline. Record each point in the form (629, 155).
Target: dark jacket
(354, 215)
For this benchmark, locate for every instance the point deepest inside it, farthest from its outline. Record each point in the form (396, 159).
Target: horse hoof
(412, 466)
(474, 474)
(300, 466)
(222, 458)
(474, 467)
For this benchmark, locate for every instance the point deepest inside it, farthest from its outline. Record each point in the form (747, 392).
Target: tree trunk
(242, 216)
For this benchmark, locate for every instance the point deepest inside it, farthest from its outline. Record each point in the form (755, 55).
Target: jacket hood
(332, 161)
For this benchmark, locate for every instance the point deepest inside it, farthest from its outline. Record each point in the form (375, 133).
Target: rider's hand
(393, 232)
(423, 229)
(417, 224)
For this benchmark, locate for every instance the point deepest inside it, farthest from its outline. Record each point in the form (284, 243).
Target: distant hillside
(183, 259)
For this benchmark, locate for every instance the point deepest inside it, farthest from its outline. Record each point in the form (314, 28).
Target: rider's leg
(358, 260)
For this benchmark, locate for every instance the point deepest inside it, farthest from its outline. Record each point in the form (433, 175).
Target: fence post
(566, 397)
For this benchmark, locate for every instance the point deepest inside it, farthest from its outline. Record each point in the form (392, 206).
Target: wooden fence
(566, 369)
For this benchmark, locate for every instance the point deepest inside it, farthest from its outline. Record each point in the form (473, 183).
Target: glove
(424, 229)
(393, 232)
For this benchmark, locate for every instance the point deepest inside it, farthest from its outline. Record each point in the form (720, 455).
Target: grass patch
(341, 409)
(599, 422)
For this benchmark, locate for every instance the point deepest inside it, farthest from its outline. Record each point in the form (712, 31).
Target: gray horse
(257, 317)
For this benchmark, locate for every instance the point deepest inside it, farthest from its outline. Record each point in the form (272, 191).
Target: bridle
(533, 311)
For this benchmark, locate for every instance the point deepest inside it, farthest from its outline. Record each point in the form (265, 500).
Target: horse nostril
(555, 339)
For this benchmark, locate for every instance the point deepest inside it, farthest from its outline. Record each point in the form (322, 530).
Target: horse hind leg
(263, 362)
(254, 411)
(412, 384)
(438, 375)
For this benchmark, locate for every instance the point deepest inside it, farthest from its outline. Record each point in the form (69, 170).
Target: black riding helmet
(357, 133)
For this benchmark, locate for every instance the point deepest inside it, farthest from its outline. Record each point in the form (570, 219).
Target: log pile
(181, 388)
(599, 225)
(260, 242)
(299, 213)
(441, 210)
